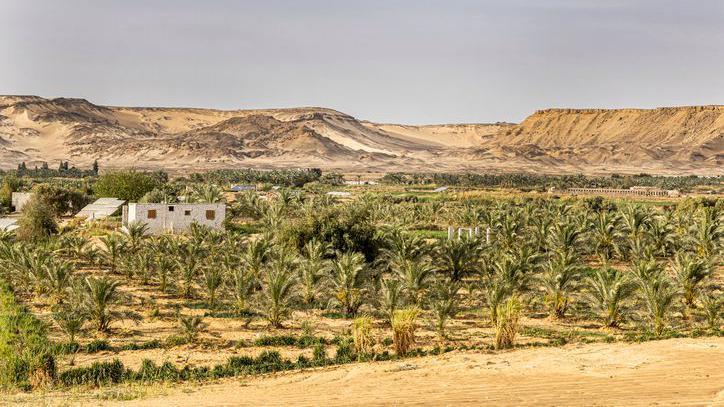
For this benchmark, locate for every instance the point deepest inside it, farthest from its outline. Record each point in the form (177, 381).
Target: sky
(397, 61)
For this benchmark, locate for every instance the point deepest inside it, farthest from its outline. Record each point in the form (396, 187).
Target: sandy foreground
(669, 372)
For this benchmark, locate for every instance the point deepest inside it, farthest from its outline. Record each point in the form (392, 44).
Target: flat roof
(101, 208)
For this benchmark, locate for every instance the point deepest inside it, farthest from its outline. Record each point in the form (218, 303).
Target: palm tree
(70, 321)
(243, 283)
(164, 266)
(689, 272)
(609, 292)
(58, 275)
(136, 232)
(312, 271)
(711, 309)
(707, 233)
(191, 326)
(659, 295)
(256, 255)
(213, 279)
(391, 297)
(101, 294)
(606, 235)
(661, 236)
(208, 194)
(414, 275)
(458, 258)
(565, 236)
(444, 303)
(277, 292)
(347, 281)
(190, 254)
(497, 288)
(561, 280)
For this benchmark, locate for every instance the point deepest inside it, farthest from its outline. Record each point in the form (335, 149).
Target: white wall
(177, 220)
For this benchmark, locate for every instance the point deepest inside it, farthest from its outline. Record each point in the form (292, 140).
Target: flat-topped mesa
(665, 109)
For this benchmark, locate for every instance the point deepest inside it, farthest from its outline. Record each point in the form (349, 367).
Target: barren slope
(665, 140)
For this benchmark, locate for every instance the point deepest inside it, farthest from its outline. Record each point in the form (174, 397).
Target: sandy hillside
(666, 140)
(669, 372)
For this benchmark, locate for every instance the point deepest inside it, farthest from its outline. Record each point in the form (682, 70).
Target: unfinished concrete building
(174, 218)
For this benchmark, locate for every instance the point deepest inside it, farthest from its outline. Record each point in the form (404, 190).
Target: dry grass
(404, 324)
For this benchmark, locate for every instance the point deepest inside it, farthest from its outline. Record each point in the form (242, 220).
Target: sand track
(670, 372)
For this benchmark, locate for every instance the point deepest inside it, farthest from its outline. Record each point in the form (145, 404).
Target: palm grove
(372, 259)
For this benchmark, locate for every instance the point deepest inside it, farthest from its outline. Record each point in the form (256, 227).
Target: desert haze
(672, 140)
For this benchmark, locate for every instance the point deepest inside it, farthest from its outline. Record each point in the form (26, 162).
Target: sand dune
(671, 372)
(665, 140)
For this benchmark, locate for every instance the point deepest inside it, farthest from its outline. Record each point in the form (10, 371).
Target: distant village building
(101, 208)
(633, 191)
(19, 199)
(242, 188)
(359, 182)
(174, 218)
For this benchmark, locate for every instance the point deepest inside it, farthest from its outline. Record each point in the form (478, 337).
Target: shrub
(345, 352)
(37, 222)
(97, 374)
(362, 335)
(404, 325)
(506, 327)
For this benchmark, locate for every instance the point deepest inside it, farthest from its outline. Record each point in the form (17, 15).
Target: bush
(97, 345)
(97, 374)
(126, 185)
(38, 221)
(403, 329)
(506, 326)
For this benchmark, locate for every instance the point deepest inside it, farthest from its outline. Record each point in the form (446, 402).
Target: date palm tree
(561, 280)
(606, 235)
(58, 275)
(707, 232)
(609, 292)
(414, 275)
(690, 271)
(312, 271)
(347, 281)
(659, 295)
(278, 289)
(391, 296)
(213, 279)
(444, 303)
(458, 258)
(102, 293)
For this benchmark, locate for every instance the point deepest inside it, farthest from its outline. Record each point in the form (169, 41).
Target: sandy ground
(670, 372)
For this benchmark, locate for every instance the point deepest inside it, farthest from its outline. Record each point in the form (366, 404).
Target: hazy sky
(411, 61)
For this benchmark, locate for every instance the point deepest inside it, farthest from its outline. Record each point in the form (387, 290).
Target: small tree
(126, 185)
(609, 292)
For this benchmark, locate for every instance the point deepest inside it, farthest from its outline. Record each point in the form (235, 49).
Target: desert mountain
(664, 140)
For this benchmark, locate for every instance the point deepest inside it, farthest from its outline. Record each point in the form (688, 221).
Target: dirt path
(680, 371)
(671, 372)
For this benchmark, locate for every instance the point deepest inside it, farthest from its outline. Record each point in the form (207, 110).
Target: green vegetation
(634, 271)
(125, 185)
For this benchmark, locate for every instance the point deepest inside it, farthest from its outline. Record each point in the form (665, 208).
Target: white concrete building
(19, 199)
(174, 218)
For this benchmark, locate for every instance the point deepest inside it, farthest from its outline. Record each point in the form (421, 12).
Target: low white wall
(176, 218)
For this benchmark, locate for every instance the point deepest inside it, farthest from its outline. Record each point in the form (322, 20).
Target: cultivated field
(308, 298)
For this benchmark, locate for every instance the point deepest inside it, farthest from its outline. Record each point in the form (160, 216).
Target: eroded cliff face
(664, 140)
